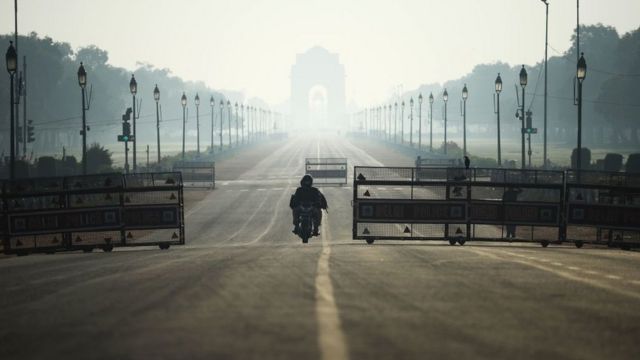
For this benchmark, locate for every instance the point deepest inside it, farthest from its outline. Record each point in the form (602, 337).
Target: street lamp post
(237, 135)
(498, 85)
(402, 123)
(221, 122)
(465, 95)
(411, 122)
(523, 83)
(445, 98)
(212, 103)
(156, 97)
(183, 101)
(197, 102)
(82, 81)
(430, 122)
(243, 119)
(420, 122)
(133, 87)
(581, 74)
(395, 123)
(229, 121)
(12, 66)
(546, 46)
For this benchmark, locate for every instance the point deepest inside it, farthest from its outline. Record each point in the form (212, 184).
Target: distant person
(308, 194)
(511, 195)
(467, 162)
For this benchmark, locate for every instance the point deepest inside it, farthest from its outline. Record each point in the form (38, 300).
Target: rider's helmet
(306, 181)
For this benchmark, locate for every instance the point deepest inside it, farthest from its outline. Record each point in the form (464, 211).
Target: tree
(98, 159)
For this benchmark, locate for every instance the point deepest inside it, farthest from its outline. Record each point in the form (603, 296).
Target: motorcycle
(305, 222)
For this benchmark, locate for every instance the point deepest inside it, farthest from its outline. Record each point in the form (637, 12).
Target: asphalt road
(245, 287)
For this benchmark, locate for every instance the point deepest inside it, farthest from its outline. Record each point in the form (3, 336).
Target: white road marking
(262, 189)
(330, 337)
(574, 268)
(614, 277)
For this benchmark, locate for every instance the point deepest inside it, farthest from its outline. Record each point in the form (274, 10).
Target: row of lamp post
(367, 117)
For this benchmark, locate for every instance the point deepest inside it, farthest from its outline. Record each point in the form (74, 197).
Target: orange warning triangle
(55, 240)
(361, 177)
(366, 231)
(174, 236)
(406, 230)
(172, 197)
(170, 181)
(129, 235)
(18, 242)
(107, 240)
(366, 193)
(127, 200)
(458, 231)
(78, 239)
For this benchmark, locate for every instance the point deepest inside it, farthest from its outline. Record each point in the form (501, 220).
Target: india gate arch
(318, 97)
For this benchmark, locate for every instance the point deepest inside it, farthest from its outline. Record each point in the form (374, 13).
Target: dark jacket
(308, 195)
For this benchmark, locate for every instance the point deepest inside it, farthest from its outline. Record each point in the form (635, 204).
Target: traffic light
(31, 137)
(127, 115)
(19, 134)
(126, 128)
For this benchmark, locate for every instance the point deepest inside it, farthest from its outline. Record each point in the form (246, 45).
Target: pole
(395, 124)
(126, 157)
(221, 121)
(12, 158)
(84, 135)
(464, 127)
(402, 124)
(430, 126)
(420, 125)
(546, 45)
(135, 164)
(15, 146)
(229, 122)
(498, 114)
(158, 130)
(24, 107)
(445, 128)
(411, 125)
(147, 157)
(579, 155)
(184, 126)
(237, 136)
(198, 130)
(522, 130)
(212, 126)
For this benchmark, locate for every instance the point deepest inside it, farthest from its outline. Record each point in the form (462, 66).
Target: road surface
(245, 287)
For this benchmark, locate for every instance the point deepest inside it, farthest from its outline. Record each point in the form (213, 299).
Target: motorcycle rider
(308, 194)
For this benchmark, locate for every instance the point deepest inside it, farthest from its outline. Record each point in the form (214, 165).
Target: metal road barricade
(197, 173)
(436, 162)
(92, 211)
(327, 171)
(457, 204)
(603, 207)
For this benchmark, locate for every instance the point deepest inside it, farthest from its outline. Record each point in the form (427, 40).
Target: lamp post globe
(82, 76)
(498, 84)
(156, 93)
(133, 85)
(445, 96)
(12, 59)
(431, 98)
(465, 92)
(183, 100)
(212, 102)
(523, 77)
(581, 71)
(156, 97)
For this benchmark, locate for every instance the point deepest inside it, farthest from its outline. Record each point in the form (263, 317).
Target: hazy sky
(250, 45)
